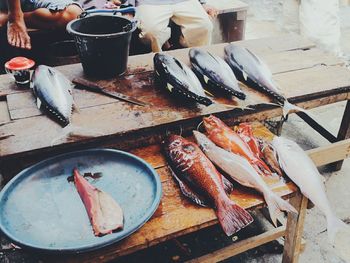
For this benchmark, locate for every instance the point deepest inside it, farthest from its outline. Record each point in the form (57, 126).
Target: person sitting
(42, 14)
(191, 15)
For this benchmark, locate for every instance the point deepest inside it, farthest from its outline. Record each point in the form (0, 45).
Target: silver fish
(215, 72)
(253, 71)
(53, 93)
(302, 171)
(179, 78)
(240, 170)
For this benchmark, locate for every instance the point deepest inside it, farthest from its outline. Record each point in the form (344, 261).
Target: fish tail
(334, 225)
(232, 217)
(289, 107)
(276, 205)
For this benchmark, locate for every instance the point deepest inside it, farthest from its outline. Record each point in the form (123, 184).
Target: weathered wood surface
(302, 73)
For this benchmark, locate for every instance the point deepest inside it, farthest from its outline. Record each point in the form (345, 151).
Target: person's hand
(113, 4)
(17, 35)
(211, 11)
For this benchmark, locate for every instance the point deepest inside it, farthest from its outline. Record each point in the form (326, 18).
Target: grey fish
(215, 72)
(251, 70)
(53, 93)
(179, 79)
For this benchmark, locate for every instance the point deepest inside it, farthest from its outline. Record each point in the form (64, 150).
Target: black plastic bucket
(102, 42)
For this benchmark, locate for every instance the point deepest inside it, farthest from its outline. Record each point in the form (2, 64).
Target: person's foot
(3, 19)
(17, 35)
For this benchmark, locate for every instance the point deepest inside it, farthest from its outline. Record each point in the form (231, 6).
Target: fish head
(179, 148)
(203, 141)
(212, 124)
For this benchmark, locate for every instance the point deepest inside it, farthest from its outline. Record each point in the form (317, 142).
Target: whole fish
(302, 171)
(215, 72)
(199, 179)
(226, 138)
(240, 170)
(269, 155)
(179, 79)
(253, 71)
(245, 131)
(104, 212)
(53, 93)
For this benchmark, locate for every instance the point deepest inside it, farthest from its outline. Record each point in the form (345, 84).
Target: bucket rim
(71, 31)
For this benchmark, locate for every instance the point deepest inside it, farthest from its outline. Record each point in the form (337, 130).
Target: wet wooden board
(176, 215)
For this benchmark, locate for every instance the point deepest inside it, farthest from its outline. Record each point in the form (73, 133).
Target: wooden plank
(240, 247)
(228, 6)
(4, 113)
(294, 229)
(330, 153)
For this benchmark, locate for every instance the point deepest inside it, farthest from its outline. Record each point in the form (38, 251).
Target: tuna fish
(199, 180)
(225, 137)
(214, 72)
(104, 212)
(53, 93)
(302, 171)
(179, 79)
(251, 70)
(240, 170)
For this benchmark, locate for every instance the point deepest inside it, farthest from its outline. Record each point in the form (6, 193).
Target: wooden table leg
(343, 133)
(294, 230)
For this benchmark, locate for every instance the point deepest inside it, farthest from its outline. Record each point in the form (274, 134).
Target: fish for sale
(214, 72)
(179, 79)
(104, 212)
(229, 140)
(269, 155)
(245, 131)
(240, 170)
(53, 93)
(253, 71)
(199, 180)
(302, 171)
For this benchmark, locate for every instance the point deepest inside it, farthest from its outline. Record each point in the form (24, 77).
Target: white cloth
(195, 24)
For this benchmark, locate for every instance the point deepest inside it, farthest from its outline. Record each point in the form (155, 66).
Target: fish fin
(188, 192)
(206, 79)
(228, 186)
(288, 107)
(245, 75)
(38, 103)
(208, 93)
(169, 87)
(276, 205)
(232, 217)
(334, 225)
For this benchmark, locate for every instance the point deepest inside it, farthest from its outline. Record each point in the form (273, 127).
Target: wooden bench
(302, 71)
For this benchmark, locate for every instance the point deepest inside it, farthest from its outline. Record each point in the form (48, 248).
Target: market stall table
(309, 77)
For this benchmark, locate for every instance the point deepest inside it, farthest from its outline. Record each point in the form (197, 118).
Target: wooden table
(308, 77)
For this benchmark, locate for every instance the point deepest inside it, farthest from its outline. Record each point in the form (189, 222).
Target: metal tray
(40, 209)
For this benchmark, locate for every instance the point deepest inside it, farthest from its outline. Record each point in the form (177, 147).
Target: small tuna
(214, 72)
(179, 79)
(251, 70)
(53, 93)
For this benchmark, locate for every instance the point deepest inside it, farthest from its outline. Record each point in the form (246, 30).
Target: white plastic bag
(319, 21)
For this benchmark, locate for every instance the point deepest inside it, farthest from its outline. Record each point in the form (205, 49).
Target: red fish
(245, 131)
(200, 181)
(229, 140)
(104, 212)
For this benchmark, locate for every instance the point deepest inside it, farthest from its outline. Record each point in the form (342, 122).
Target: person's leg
(195, 23)
(48, 19)
(154, 20)
(16, 28)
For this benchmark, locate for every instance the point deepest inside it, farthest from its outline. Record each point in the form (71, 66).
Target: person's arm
(211, 11)
(16, 29)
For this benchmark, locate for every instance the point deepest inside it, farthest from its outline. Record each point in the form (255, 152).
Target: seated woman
(43, 14)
